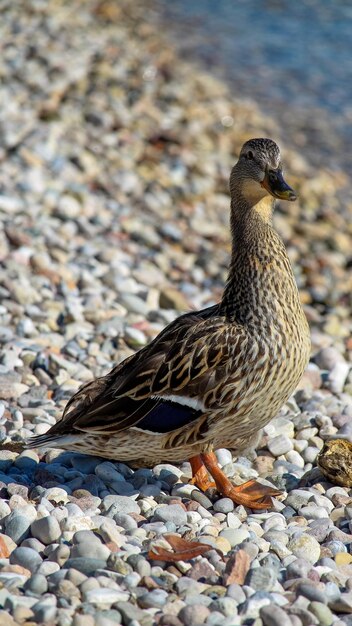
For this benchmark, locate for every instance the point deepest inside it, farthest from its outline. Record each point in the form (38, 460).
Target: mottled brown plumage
(212, 378)
(335, 462)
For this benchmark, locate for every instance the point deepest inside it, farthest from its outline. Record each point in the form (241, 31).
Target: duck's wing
(161, 387)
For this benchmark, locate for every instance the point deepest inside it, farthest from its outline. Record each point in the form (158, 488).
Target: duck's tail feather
(51, 441)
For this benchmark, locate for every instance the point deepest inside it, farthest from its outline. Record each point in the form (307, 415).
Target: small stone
(279, 445)
(26, 557)
(194, 614)
(343, 558)
(171, 513)
(322, 612)
(224, 456)
(224, 505)
(274, 616)
(261, 578)
(121, 504)
(37, 584)
(46, 529)
(305, 547)
(17, 527)
(154, 599)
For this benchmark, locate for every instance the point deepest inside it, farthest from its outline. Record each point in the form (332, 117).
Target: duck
(212, 378)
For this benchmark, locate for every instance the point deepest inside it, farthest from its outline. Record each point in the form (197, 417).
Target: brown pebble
(200, 571)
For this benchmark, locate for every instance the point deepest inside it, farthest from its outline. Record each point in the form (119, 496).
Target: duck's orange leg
(251, 493)
(200, 476)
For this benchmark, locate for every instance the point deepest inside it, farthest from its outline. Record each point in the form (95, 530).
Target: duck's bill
(276, 185)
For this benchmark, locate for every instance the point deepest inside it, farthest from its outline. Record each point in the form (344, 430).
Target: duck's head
(258, 173)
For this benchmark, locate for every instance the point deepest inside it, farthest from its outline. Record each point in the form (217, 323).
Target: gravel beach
(115, 156)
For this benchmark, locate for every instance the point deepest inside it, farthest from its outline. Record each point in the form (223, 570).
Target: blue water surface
(293, 57)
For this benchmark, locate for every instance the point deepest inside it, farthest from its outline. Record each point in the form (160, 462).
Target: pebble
(26, 557)
(280, 445)
(171, 513)
(46, 529)
(274, 616)
(261, 578)
(305, 547)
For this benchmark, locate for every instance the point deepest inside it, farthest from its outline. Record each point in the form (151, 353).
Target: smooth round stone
(171, 513)
(154, 599)
(236, 592)
(86, 536)
(90, 550)
(274, 616)
(194, 614)
(224, 505)
(199, 496)
(223, 456)
(120, 504)
(279, 445)
(46, 529)
(37, 584)
(17, 527)
(125, 521)
(311, 592)
(322, 612)
(305, 547)
(26, 557)
(261, 578)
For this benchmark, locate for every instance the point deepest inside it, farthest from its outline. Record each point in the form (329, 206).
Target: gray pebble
(37, 584)
(274, 616)
(121, 504)
(154, 599)
(171, 513)
(305, 547)
(312, 592)
(46, 529)
(224, 505)
(200, 497)
(125, 521)
(321, 612)
(261, 578)
(26, 557)
(195, 614)
(17, 527)
(279, 445)
(223, 456)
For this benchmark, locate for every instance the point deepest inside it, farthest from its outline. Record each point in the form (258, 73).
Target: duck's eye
(250, 155)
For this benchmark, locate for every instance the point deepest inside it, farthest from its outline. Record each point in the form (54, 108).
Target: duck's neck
(260, 270)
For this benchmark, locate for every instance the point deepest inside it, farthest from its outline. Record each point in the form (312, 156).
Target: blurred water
(292, 58)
